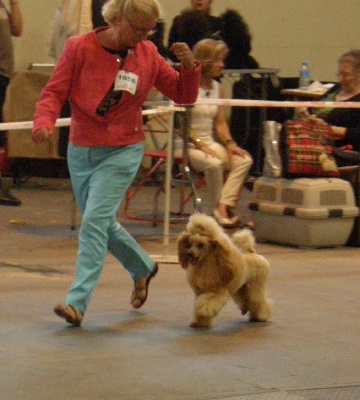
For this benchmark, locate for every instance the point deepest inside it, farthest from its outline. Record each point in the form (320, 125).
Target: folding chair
(185, 178)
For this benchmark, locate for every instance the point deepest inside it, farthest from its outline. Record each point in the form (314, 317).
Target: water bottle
(304, 76)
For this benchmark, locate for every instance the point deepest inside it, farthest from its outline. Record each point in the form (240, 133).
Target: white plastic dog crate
(314, 212)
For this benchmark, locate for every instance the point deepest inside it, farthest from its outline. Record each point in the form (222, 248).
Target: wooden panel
(21, 96)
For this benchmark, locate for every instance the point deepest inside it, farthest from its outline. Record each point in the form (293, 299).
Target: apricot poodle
(219, 267)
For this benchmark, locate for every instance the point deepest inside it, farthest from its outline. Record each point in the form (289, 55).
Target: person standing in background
(72, 17)
(96, 16)
(11, 24)
(193, 24)
(234, 31)
(205, 5)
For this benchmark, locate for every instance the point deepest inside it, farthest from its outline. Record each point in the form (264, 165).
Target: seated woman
(211, 149)
(344, 122)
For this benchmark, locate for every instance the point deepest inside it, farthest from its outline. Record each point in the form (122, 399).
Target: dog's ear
(183, 246)
(225, 272)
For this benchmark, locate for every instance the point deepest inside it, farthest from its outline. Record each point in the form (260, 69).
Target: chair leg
(131, 193)
(156, 206)
(194, 183)
(187, 180)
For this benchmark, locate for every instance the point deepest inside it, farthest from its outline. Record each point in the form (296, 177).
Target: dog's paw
(208, 305)
(207, 309)
(263, 312)
(200, 322)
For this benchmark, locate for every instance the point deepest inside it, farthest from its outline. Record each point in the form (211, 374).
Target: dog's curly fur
(219, 267)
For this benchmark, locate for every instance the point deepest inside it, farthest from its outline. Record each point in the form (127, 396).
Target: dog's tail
(244, 240)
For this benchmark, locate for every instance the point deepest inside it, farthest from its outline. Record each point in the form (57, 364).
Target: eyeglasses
(140, 32)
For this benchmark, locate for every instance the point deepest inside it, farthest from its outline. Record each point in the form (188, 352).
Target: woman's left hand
(338, 132)
(43, 135)
(183, 54)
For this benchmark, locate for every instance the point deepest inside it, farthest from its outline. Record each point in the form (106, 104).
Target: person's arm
(181, 87)
(200, 145)
(53, 97)
(223, 133)
(338, 132)
(15, 18)
(345, 124)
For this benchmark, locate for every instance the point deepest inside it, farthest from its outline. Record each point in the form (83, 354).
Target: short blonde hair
(129, 8)
(208, 50)
(351, 57)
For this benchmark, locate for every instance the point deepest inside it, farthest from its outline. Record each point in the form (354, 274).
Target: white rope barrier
(267, 103)
(166, 108)
(8, 126)
(279, 104)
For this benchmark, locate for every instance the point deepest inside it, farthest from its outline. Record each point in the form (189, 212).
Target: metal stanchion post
(185, 165)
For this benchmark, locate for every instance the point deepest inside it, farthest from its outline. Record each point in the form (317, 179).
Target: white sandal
(232, 222)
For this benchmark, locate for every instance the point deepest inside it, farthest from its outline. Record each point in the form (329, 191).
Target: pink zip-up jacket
(84, 74)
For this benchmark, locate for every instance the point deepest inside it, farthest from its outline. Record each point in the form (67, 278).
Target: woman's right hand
(208, 151)
(183, 54)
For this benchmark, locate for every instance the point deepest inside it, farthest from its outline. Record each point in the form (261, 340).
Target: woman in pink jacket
(106, 75)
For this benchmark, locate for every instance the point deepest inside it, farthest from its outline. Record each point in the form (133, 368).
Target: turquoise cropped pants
(100, 177)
